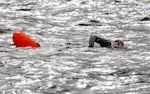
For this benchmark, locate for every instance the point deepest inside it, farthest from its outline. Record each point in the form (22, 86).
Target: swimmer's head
(118, 44)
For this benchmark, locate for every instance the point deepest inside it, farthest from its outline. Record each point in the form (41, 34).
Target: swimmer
(105, 43)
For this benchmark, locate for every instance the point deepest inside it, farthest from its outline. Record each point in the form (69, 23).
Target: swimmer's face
(118, 44)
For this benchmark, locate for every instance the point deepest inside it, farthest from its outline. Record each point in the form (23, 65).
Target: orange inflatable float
(20, 39)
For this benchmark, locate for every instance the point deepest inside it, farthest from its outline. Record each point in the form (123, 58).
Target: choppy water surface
(64, 64)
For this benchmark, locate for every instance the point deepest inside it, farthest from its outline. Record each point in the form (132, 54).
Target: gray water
(64, 64)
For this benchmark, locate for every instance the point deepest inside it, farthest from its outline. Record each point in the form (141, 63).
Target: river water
(64, 64)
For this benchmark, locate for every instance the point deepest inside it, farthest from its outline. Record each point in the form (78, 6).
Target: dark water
(64, 64)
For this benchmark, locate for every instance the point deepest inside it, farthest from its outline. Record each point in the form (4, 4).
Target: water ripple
(64, 64)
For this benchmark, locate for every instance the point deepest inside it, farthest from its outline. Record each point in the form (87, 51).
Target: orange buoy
(20, 39)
